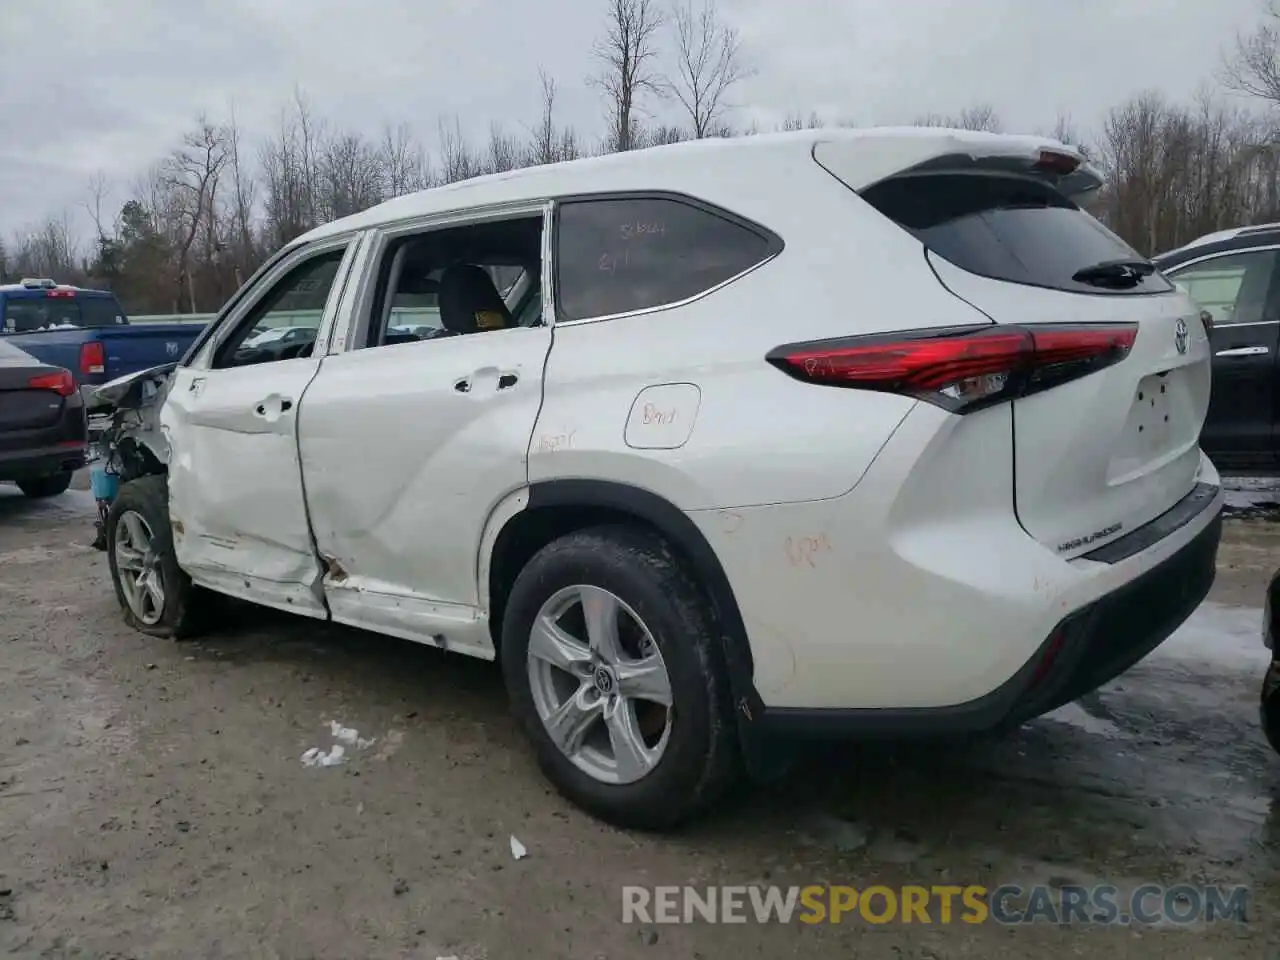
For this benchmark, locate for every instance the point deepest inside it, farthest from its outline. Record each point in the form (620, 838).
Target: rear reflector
(61, 382)
(93, 359)
(960, 368)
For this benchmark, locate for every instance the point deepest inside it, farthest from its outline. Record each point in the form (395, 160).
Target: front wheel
(157, 597)
(38, 488)
(614, 667)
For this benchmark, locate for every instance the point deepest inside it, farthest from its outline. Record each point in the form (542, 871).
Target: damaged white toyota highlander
(831, 433)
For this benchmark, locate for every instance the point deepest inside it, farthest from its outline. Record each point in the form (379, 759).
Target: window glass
(26, 314)
(1006, 228)
(1233, 287)
(456, 281)
(284, 323)
(634, 253)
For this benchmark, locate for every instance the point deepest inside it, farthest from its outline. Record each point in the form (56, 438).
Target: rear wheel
(157, 597)
(49, 486)
(614, 668)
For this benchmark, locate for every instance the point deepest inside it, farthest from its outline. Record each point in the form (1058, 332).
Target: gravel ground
(153, 803)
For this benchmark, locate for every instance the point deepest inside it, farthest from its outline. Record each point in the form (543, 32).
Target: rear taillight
(1060, 163)
(93, 359)
(960, 368)
(60, 382)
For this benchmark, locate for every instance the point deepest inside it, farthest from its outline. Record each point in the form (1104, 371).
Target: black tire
(188, 609)
(702, 759)
(1270, 706)
(50, 486)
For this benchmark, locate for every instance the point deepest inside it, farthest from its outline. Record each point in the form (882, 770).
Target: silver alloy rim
(599, 684)
(138, 567)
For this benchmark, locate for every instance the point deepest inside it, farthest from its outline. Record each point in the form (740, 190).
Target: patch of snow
(1073, 714)
(315, 757)
(1220, 636)
(517, 849)
(347, 735)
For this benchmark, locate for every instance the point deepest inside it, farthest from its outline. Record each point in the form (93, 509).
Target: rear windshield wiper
(1115, 273)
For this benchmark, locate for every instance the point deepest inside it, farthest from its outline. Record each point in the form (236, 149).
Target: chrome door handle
(1244, 352)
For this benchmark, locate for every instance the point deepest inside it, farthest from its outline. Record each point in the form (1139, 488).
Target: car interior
(465, 280)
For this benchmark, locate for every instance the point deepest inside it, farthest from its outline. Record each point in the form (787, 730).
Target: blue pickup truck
(86, 331)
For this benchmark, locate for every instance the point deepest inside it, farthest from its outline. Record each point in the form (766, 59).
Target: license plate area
(1161, 425)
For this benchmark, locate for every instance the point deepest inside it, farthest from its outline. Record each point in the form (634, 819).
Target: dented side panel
(235, 488)
(235, 482)
(406, 450)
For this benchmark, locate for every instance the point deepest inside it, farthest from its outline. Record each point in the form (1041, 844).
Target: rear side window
(1007, 228)
(27, 314)
(621, 254)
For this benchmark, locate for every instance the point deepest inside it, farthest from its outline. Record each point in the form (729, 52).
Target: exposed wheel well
(559, 507)
(528, 532)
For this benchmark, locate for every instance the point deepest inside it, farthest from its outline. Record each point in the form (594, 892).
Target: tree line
(200, 220)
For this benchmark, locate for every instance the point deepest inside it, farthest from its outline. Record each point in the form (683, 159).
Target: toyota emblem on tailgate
(171, 347)
(1180, 336)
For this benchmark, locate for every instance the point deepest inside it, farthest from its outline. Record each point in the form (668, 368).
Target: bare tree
(350, 176)
(503, 152)
(192, 173)
(242, 199)
(47, 249)
(981, 117)
(798, 121)
(1253, 66)
(628, 55)
(99, 189)
(708, 65)
(404, 163)
(549, 143)
(457, 160)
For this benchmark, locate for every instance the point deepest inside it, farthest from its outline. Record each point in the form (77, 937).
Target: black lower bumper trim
(25, 467)
(1149, 534)
(1090, 647)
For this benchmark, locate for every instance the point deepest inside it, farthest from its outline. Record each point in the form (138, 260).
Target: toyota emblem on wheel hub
(604, 681)
(1180, 335)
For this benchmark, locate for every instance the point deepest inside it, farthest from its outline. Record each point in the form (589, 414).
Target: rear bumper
(44, 462)
(1089, 647)
(59, 448)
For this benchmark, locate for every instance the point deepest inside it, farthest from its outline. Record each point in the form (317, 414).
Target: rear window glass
(1006, 228)
(28, 314)
(619, 255)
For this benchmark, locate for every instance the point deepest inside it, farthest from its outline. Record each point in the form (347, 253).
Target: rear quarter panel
(754, 435)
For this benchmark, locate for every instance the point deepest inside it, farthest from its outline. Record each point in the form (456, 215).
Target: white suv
(835, 432)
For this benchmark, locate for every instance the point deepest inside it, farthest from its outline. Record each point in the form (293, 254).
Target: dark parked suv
(43, 428)
(1235, 276)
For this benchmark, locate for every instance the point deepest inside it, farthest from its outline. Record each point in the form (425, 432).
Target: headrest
(470, 302)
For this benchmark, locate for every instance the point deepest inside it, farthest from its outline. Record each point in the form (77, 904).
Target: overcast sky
(110, 85)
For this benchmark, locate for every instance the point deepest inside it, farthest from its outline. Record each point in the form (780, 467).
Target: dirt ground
(153, 803)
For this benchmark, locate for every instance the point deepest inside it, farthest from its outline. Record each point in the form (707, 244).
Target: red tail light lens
(61, 293)
(93, 359)
(62, 383)
(960, 368)
(1060, 163)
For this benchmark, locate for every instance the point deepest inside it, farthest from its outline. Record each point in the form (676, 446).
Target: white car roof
(880, 152)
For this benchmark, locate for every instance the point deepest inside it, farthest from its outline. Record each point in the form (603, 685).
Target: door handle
(507, 381)
(1244, 352)
(281, 405)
